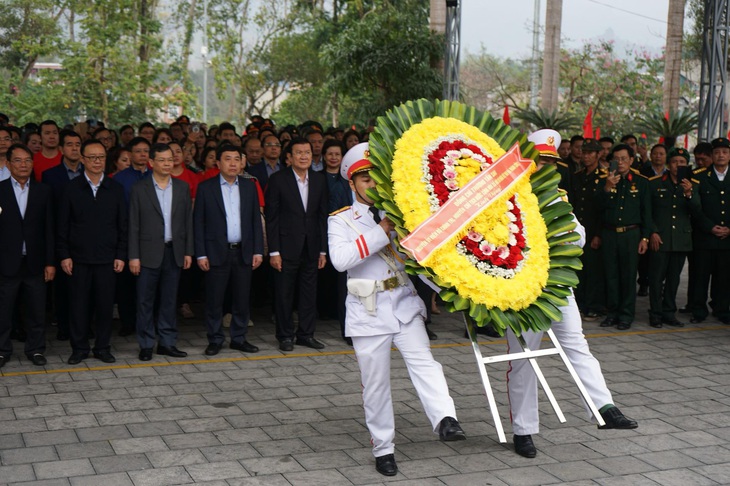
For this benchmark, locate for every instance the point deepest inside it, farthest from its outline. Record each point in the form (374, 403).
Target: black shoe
(213, 349)
(724, 320)
(643, 291)
(145, 354)
(38, 359)
(616, 420)
(105, 356)
(385, 465)
(3, 360)
(62, 336)
(286, 345)
(655, 322)
(696, 320)
(245, 347)
(309, 342)
(450, 430)
(524, 446)
(622, 326)
(591, 316)
(77, 358)
(172, 351)
(125, 331)
(685, 310)
(673, 322)
(348, 340)
(432, 336)
(609, 322)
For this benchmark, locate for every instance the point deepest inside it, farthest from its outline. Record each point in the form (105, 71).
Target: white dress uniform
(521, 379)
(398, 320)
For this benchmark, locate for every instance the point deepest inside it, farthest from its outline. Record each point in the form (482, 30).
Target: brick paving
(296, 418)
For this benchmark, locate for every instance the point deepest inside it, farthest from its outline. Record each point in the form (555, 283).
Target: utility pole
(551, 59)
(534, 79)
(673, 55)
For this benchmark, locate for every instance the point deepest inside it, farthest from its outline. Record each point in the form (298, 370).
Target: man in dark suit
(58, 178)
(160, 243)
(26, 253)
(711, 243)
(296, 220)
(229, 244)
(92, 248)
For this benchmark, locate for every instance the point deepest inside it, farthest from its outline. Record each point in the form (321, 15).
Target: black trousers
(34, 305)
(127, 299)
(62, 300)
(713, 264)
(233, 276)
(92, 287)
(301, 271)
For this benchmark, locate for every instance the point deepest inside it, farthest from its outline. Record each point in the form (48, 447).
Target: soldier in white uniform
(383, 309)
(521, 379)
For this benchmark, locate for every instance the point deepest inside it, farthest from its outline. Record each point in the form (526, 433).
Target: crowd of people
(646, 212)
(141, 222)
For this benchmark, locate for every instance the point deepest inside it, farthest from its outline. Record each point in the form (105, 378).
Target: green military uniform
(626, 216)
(671, 218)
(712, 254)
(564, 172)
(590, 293)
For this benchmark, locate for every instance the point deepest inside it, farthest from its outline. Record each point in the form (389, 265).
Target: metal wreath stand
(530, 355)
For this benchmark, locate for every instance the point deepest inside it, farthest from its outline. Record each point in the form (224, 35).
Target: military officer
(673, 201)
(521, 379)
(384, 309)
(547, 142)
(623, 198)
(590, 292)
(711, 236)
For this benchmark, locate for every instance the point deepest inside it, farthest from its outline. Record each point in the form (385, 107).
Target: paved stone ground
(296, 418)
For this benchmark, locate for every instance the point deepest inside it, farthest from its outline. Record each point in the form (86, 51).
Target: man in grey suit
(160, 243)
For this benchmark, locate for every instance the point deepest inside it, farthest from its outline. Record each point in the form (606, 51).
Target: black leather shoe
(655, 322)
(286, 345)
(77, 358)
(38, 359)
(105, 356)
(622, 326)
(172, 351)
(696, 320)
(609, 322)
(432, 336)
(524, 446)
(643, 291)
(685, 310)
(310, 342)
(244, 347)
(385, 465)
(145, 354)
(213, 349)
(674, 322)
(3, 360)
(450, 430)
(616, 420)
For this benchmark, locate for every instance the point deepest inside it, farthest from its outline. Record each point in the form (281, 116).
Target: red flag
(666, 115)
(505, 115)
(686, 141)
(598, 133)
(643, 135)
(661, 140)
(588, 124)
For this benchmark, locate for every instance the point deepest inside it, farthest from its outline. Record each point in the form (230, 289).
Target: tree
(673, 55)
(489, 82)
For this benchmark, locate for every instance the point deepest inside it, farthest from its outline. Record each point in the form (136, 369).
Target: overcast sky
(504, 28)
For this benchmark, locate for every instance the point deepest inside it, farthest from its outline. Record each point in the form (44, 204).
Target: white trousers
(373, 357)
(522, 381)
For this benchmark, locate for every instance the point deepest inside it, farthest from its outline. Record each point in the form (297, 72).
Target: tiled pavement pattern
(296, 418)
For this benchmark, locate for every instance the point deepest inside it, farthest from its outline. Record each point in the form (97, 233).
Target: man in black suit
(58, 178)
(160, 243)
(229, 244)
(92, 248)
(296, 220)
(26, 252)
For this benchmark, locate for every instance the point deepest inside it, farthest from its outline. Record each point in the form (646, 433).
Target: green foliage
(670, 127)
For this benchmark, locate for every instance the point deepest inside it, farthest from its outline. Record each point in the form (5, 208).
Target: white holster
(365, 290)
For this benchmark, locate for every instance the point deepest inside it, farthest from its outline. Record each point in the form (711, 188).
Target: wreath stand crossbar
(531, 356)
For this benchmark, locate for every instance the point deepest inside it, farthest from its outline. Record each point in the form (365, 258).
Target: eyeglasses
(298, 153)
(95, 158)
(21, 161)
(5, 139)
(272, 145)
(623, 159)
